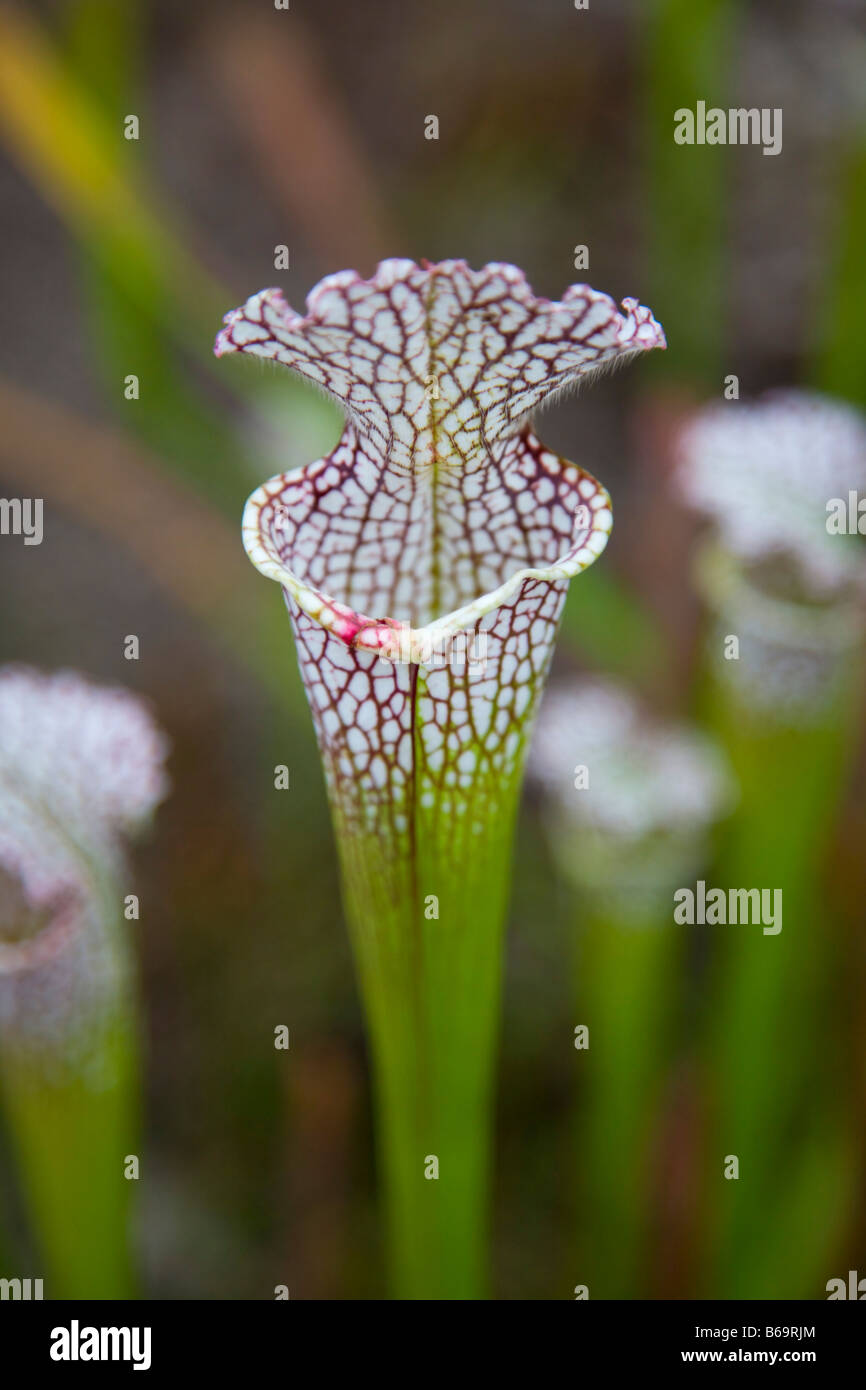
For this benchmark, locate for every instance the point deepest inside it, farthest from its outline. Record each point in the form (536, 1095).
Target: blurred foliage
(840, 367)
(688, 52)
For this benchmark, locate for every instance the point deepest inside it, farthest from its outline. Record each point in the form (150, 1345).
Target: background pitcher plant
(424, 562)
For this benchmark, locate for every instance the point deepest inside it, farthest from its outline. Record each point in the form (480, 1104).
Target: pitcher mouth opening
(267, 537)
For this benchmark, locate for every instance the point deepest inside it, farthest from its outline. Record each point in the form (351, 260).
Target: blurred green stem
(70, 1086)
(70, 1138)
